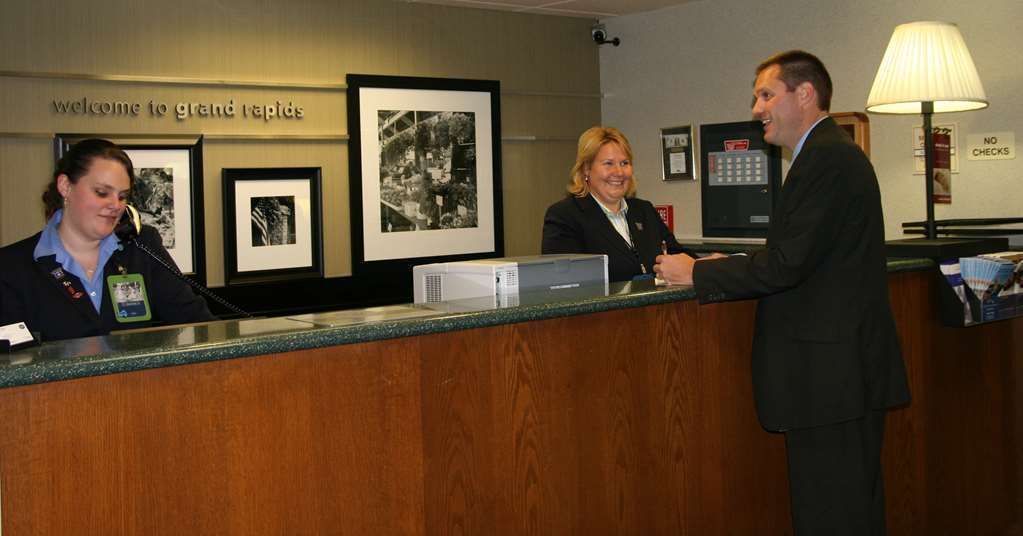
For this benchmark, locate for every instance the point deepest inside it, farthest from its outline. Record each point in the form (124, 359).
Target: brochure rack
(961, 307)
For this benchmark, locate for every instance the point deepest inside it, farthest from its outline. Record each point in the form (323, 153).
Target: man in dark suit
(826, 358)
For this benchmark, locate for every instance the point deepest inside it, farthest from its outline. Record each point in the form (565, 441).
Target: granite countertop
(178, 345)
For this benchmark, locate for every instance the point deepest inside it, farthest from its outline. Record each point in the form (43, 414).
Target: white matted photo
(272, 224)
(425, 169)
(162, 195)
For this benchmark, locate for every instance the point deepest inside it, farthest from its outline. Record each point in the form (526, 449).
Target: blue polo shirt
(51, 244)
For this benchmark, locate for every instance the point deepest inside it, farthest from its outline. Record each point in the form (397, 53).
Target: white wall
(693, 64)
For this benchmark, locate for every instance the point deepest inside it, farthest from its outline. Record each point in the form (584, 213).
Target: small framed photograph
(272, 224)
(168, 193)
(424, 171)
(678, 146)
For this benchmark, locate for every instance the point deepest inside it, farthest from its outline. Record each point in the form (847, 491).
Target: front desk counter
(625, 412)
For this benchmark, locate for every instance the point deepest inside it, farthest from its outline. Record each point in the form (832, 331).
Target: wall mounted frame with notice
(168, 191)
(678, 147)
(424, 171)
(272, 224)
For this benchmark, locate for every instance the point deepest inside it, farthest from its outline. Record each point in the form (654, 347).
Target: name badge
(128, 296)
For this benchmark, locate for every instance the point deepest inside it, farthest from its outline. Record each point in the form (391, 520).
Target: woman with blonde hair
(596, 217)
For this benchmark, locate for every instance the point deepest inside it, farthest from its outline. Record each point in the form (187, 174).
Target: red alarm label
(667, 214)
(736, 145)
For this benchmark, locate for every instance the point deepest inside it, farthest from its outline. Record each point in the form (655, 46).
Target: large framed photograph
(424, 171)
(272, 224)
(168, 193)
(678, 145)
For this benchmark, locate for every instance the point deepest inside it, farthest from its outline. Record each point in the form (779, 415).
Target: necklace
(91, 253)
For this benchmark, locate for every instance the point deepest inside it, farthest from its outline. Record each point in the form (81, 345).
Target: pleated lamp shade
(926, 62)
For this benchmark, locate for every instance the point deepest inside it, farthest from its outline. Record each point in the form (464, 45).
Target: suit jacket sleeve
(172, 299)
(809, 219)
(12, 304)
(561, 233)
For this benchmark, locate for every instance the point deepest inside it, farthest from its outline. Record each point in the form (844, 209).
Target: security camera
(599, 35)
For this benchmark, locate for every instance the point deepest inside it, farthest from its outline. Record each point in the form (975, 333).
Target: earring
(65, 202)
(587, 180)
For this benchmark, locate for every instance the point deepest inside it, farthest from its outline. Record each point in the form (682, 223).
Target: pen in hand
(664, 251)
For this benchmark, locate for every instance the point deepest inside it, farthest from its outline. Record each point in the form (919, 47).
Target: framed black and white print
(424, 171)
(272, 224)
(168, 193)
(678, 147)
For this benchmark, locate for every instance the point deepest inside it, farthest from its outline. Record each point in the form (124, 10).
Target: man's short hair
(797, 67)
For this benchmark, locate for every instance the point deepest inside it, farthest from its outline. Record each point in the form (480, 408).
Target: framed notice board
(740, 179)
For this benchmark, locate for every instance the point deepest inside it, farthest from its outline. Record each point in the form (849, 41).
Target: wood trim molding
(187, 81)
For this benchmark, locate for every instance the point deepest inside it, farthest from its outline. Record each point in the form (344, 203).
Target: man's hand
(675, 269)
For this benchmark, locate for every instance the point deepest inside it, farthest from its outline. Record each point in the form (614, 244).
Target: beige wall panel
(298, 41)
(560, 117)
(196, 38)
(25, 168)
(525, 52)
(57, 106)
(535, 176)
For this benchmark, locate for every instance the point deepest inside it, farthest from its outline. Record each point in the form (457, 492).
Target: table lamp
(926, 69)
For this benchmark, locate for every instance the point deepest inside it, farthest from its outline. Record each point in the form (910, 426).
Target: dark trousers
(835, 477)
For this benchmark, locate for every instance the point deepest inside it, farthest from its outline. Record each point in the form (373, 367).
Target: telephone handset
(129, 226)
(127, 231)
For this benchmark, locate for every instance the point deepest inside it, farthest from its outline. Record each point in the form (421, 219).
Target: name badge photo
(128, 296)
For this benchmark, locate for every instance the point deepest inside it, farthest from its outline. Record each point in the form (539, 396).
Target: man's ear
(807, 94)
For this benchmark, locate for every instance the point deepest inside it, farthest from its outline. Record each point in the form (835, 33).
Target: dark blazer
(825, 349)
(30, 293)
(578, 225)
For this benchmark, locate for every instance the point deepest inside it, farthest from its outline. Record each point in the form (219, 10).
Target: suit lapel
(595, 214)
(69, 287)
(803, 164)
(821, 131)
(639, 230)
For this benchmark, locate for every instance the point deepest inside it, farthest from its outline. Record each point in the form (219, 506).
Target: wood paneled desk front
(629, 413)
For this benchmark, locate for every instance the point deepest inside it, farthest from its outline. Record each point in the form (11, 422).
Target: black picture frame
(448, 184)
(178, 216)
(254, 201)
(678, 151)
